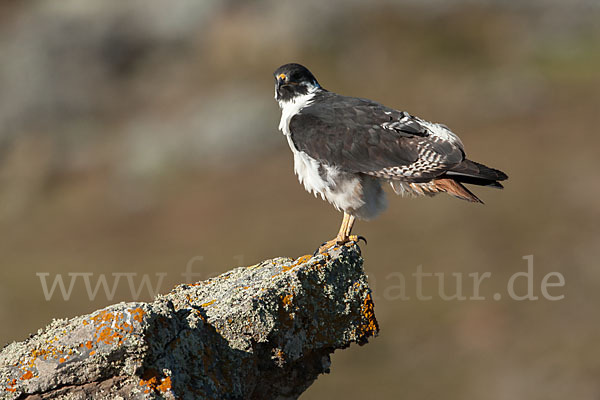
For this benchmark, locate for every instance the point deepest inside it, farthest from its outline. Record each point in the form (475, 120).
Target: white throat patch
(293, 107)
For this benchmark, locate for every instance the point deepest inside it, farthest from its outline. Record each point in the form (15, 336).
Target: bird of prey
(345, 147)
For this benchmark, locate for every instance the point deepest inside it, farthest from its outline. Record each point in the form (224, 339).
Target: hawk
(346, 147)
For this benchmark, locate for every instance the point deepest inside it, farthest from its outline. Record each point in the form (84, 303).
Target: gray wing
(359, 135)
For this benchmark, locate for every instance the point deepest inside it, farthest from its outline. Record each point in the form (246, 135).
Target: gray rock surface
(260, 332)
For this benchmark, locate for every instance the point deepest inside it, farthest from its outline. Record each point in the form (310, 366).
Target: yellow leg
(343, 235)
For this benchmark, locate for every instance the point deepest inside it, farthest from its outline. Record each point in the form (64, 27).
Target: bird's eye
(281, 77)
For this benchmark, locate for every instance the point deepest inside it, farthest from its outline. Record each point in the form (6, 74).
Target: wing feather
(359, 135)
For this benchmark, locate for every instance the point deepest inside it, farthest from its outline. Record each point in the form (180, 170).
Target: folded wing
(362, 136)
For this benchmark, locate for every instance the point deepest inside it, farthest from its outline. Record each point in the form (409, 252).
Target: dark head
(293, 80)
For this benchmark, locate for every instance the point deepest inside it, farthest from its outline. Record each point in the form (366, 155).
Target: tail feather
(472, 169)
(451, 182)
(476, 181)
(456, 189)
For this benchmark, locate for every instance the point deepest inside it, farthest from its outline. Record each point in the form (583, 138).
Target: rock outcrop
(260, 332)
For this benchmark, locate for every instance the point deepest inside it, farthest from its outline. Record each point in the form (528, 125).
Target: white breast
(305, 167)
(291, 108)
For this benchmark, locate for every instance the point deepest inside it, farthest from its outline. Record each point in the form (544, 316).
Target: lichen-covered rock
(258, 332)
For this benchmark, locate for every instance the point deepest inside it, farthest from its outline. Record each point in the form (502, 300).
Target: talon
(358, 238)
(322, 249)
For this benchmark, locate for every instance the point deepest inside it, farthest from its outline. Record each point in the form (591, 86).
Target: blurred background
(141, 136)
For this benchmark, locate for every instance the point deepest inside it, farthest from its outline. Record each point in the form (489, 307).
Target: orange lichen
(279, 357)
(27, 375)
(59, 354)
(126, 327)
(151, 381)
(369, 326)
(102, 316)
(207, 304)
(165, 384)
(112, 328)
(150, 384)
(50, 351)
(11, 383)
(149, 378)
(108, 336)
(199, 314)
(287, 299)
(137, 314)
(286, 318)
(298, 261)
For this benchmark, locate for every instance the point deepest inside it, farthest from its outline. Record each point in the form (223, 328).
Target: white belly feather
(341, 189)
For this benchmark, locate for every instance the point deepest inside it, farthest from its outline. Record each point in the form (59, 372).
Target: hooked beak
(281, 80)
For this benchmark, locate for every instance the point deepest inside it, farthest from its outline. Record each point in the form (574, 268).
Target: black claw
(358, 239)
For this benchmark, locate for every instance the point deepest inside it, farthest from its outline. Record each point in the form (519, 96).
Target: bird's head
(293, 80)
